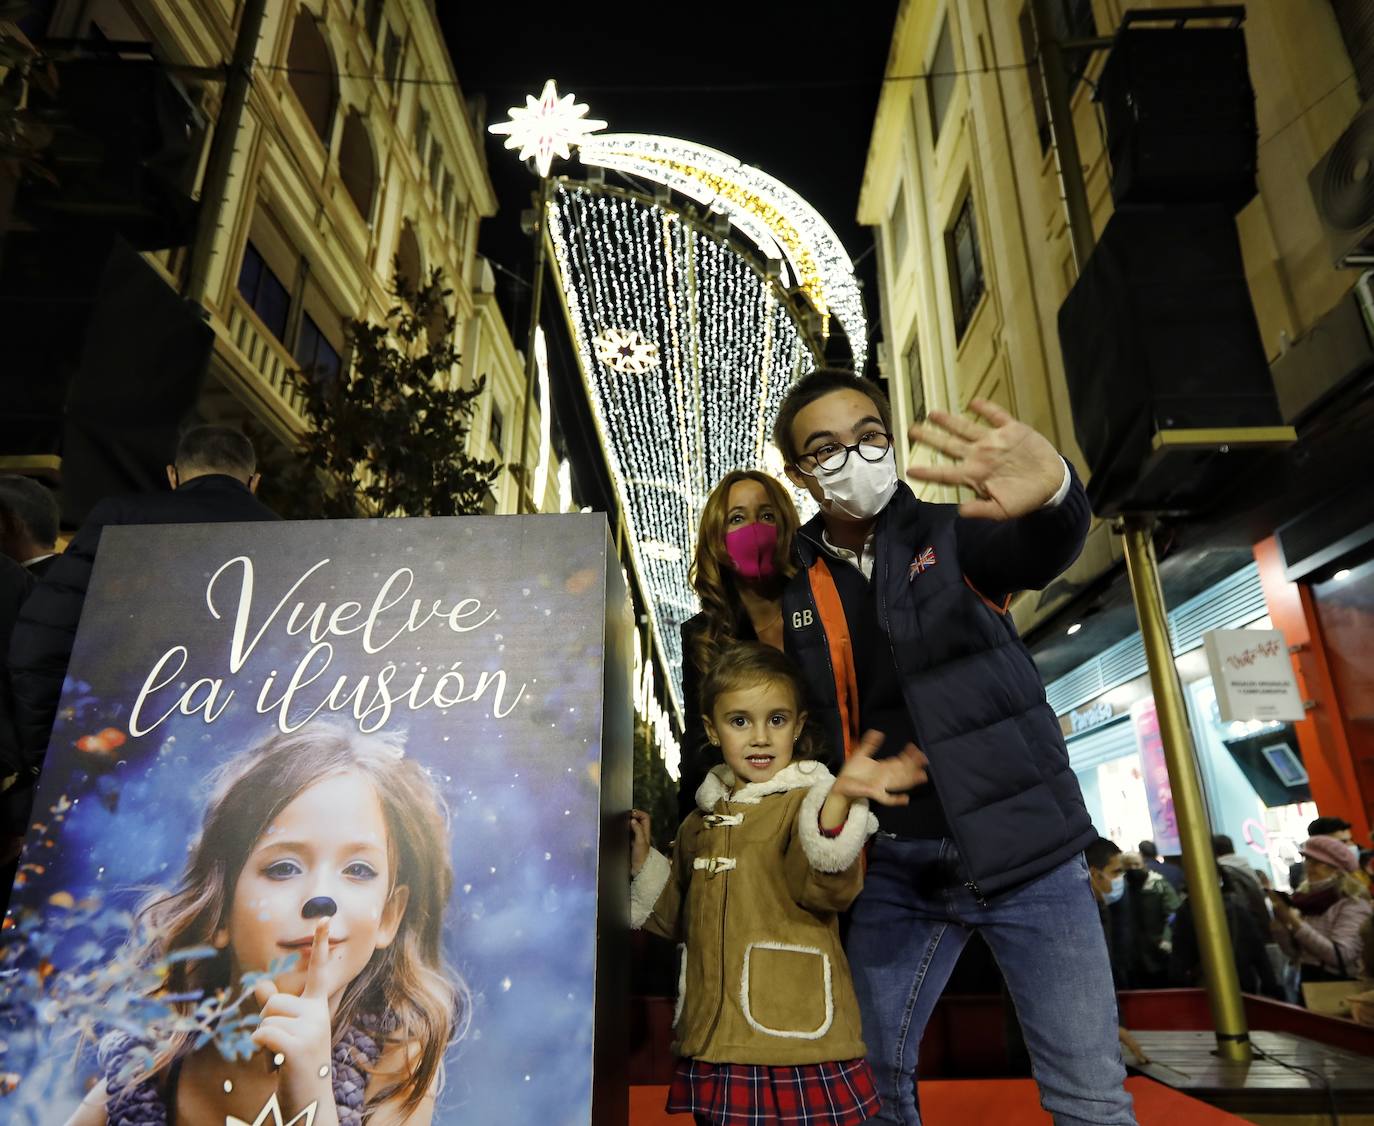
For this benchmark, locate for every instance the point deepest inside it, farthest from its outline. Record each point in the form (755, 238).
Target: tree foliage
(388, 434)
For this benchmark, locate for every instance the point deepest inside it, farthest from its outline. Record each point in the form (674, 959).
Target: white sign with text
(1253, 675)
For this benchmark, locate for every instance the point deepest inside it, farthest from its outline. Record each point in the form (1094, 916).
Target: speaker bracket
(1224, 438)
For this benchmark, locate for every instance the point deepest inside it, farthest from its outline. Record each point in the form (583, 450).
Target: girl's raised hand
(296, 1033)
(881, 780)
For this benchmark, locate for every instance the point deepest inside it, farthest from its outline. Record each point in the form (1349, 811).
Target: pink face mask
(751, 550)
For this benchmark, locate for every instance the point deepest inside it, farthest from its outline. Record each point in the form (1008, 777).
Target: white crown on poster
(270, 1115)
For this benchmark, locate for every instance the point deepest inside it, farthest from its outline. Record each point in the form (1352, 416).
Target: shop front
(1252, 772)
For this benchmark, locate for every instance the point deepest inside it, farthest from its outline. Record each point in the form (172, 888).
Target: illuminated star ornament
(626, 350)
(547, 126)
(270, 1115)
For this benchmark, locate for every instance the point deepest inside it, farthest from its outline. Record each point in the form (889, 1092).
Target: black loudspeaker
(103, 361)
(124, 156)
(1159, 335)
(1180, 117)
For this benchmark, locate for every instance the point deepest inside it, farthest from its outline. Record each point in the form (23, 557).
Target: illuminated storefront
(1252, 772)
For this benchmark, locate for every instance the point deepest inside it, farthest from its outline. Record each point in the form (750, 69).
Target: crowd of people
(871, 774)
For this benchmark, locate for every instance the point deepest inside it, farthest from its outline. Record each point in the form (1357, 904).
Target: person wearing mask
(1337, 828)
(1245, 879)
(1322, 922)
(899, 618)
(1151, 902)
(213, 478)
(29, 532)
(1107, 874)
(742, 560)
(1249, 939)
(1149, 852)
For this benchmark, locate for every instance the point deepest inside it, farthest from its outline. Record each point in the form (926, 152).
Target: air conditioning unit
(1342, 186)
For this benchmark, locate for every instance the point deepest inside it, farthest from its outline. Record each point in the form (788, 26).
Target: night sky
(787, 87)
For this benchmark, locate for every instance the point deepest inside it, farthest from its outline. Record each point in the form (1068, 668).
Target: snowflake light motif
(547, 126)
(626, 350)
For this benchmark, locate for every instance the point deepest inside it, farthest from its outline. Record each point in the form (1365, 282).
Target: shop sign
(1158, 792)
(1094, 715)
(1253, 675)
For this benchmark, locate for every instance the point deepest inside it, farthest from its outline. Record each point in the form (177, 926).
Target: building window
(315, 354)
(374, 20)
(408, 263)
(1035, 78)
(1073, 19)
(436, 166)
(941, 80)
(311, 74)
(358, 164)
(898, 226)
(446, 196)
(264, 292)
(391, 57)
(421, 132)
(915, 387)
(965, 265)
(495, 428)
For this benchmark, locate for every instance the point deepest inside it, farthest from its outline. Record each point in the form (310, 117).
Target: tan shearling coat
(752, 893)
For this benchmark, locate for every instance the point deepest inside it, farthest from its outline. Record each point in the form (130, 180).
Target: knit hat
(1329, 851)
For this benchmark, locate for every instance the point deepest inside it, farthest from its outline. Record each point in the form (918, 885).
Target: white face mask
(1118, 889)
(861, 489)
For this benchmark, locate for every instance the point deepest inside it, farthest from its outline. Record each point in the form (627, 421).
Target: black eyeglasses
(830, 458)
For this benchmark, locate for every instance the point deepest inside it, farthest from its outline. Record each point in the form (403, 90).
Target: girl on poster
(759, 874)
(330, 846)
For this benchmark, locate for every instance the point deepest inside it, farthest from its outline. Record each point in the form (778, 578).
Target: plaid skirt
(746, 1094)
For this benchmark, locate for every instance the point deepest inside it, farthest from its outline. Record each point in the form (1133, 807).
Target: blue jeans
(908, 927)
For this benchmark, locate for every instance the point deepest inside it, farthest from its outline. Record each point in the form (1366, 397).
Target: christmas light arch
(695, 295)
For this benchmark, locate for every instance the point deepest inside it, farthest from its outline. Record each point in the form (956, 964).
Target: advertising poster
(1155, 772)
(321, 821)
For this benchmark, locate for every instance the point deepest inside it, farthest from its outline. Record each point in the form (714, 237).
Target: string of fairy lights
(776, 219)
(686, 347)
(673, 428)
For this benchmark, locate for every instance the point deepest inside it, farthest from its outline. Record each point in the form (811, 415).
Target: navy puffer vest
(975, 698)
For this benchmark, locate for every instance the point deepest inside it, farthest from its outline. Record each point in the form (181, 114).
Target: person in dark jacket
(212, 480)
(1150, 903)
(29, 532)
(1248, 942)
(743, 558)
(15, 584)
(899, 619)
(1149, 851)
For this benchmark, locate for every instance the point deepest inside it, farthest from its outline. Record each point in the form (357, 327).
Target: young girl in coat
(767, 1023)
(331, 846)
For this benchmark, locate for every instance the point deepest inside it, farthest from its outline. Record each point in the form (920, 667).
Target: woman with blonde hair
(1320, 924)
(743, 558)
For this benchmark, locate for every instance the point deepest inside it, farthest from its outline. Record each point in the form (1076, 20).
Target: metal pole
(1070, 164)
(1199, 864)
(214, 192)
(540, 219)
(1209, 914)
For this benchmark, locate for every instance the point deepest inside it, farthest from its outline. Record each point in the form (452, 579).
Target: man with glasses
(898, 618)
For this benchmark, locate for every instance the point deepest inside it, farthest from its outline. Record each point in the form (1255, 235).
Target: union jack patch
(923, 562)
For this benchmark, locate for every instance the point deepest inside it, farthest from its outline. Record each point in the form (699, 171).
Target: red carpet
(1008, 1102)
